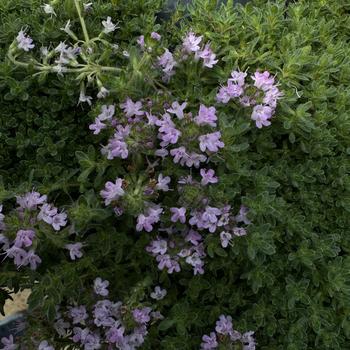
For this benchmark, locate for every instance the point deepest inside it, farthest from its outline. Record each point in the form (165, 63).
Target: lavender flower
(177, 109)
(191, 42)
(97, 126)
(158, 293)
(193, 237)
(263, 81)
(209, 342)
(147, 220)
(167, 63)
(225, 238)
(239, 231)
(47, 212)
(242, 215)
(208, 176)
(24, 42)
(100, 287)
(24, 238)
(78, 314)
(162, 184)
(107, 112)
(59, 220)
(238, 77)
(159, 246)
(224, 325)
(103, 93)
(208, 56)
(32, 260)
(156, 36)
(8, 343)
(131, 108)
(206, 116)
(4, 241)
(116, 148)
(166, 262)
(31, 200)
(179, 214)
(248, 341)
(211, 142)
(261, 115)
(18, 254)
(44, 345)
(142, 315)
(112, 191)
(74, 250)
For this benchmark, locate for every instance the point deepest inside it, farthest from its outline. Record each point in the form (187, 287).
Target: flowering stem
(82, 22)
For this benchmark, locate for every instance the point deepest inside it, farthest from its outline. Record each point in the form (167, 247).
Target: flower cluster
(262, 95)
(18, 241)
(191, 46)
(189, 139)
(115, 324)
(225, 335)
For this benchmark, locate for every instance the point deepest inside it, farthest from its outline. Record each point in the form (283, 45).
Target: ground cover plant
(177, 184)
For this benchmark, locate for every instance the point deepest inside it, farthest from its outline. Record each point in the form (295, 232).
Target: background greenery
(289, 279)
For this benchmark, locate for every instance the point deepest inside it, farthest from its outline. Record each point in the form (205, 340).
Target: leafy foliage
(288, 279)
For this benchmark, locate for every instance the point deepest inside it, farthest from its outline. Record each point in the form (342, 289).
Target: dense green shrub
(288, 279)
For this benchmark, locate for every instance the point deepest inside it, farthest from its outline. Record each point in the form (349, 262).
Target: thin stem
(82, 22)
